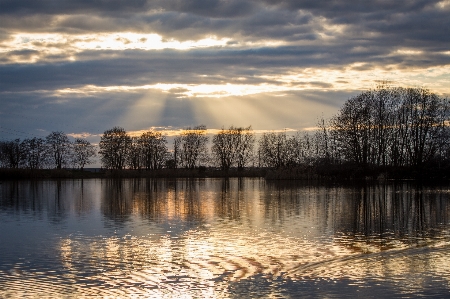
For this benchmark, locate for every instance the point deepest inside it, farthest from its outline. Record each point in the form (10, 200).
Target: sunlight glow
(362, 76)
(183, 90)
(295, 80)
(409, 52)
(128, 40)
(171, 132)
(445, 4)
(26, 47)
(31, 47)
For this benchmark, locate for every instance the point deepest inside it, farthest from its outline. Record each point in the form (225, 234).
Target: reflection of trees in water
(371, 214)
(406, 211)
(309, 204)
(23, 197)
(187, 200)
(54, 199)
(380, 215)
(155, 200)
(116, 200)
(229, 203)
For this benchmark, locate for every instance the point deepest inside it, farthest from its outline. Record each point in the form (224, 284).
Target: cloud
(68, 7)
(84, 66)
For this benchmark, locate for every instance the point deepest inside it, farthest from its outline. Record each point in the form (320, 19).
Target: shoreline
(300, 173)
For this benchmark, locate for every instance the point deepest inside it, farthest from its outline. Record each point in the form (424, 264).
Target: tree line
(53, 151)
(387, 127)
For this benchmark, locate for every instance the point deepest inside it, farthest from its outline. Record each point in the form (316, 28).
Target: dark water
(217, 238)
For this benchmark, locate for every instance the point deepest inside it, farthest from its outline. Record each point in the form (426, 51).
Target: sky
(83, 67)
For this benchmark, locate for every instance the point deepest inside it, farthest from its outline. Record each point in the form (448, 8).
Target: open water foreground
(218, 238)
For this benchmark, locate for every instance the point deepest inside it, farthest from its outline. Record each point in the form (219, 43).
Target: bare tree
(392, 127)
(114, 147)
(59, 149)
(425, 125)
(83, 152)
(154, 149)
(135, 153)
(233, 147)
(193, 147)
(224, 148)
(10, 153)
(245, 141)
(34, 153)
(176, 155)
(273, 149)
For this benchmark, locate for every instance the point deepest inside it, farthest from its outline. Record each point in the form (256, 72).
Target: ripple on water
(206, 264)
(246, 252)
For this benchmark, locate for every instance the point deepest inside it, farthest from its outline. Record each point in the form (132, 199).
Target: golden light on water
(208, 238)
(203, 262)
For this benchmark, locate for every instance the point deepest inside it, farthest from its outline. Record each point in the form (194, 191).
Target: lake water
(217, 238)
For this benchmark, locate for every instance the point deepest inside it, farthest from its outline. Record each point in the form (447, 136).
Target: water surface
(217, 238)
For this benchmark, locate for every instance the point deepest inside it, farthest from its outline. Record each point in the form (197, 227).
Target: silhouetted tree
(176, 155)
(10, 153)
(245, 141)
(392, 127)
(193, 147)
(34, 153)
(114, 147)
(59, 149)
(154, 149)
(273, 149)
(224, 149)
(135, 153)
(83, 152)
(233, 147)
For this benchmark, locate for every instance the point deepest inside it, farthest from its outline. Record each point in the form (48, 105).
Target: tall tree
(83, 152)
(245, 142)
(114, 147)
(223, 148)
(233, 147)
(154, 149)
(59, 149)
(176, 155)
(273, 149)
(34, 153)
(135, 154)
(10, 153)
(193, 147)
(392, 127)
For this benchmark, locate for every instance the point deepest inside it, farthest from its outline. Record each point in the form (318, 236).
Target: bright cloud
(306, 79)
(44, 46)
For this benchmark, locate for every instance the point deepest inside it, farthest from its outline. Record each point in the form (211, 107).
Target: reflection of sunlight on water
(202, 263)
(176, 243)
(199, 263)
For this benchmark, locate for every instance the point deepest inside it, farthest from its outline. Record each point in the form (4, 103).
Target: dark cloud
(69, 7)
(392, 23)
(24, 54)
(332, 34)
(340, 8)
(197, 66)
(210, 8)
